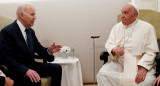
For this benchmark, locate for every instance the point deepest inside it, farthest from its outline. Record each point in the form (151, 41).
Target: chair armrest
(104, 56)
(40, 59)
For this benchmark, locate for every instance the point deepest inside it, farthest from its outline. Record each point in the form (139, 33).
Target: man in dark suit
(18, 45)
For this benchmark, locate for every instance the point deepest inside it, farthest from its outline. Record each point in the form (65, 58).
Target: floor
(90, 85)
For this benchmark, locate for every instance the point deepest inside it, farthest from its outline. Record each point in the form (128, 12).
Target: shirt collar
(21, 26)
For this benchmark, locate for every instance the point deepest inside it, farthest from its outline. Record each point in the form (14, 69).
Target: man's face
(128, 14)
(29, 17)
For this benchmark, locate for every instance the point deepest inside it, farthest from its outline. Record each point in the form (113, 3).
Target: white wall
(133, 1)
(72, 23)
(158, 5)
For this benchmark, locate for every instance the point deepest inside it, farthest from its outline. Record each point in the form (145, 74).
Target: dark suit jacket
(2, 80)
(14, 52)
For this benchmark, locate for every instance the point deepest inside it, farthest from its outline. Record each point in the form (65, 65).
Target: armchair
(5, 20)
(153, 18)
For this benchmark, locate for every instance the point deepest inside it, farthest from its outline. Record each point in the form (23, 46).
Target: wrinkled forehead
(30, 9)
(127, 7)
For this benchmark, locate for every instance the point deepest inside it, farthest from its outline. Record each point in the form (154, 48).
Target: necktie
(29, 41)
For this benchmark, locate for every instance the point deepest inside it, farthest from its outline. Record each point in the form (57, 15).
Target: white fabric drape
(71, 71)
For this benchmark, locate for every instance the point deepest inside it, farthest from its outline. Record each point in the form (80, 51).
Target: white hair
(22, 8)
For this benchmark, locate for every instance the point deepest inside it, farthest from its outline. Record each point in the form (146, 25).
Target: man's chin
(32, 25)
(125, 23)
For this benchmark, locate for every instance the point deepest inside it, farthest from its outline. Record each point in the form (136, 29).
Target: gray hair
(22, 8)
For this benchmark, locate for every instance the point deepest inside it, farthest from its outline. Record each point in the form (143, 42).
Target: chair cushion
(5, 20)
(46, 81)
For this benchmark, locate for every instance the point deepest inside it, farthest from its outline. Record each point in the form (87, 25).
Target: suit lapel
(20, 38)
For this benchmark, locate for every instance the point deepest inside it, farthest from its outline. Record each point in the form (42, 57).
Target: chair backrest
(4, 21)
(150, 16)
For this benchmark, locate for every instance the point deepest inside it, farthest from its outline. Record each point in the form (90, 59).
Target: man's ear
(136, 14)
(21, 15)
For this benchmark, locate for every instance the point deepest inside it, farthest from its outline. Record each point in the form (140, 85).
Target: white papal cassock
(140, 45)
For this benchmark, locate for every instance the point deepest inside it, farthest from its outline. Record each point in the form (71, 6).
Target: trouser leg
(23, 81)
(52, 70)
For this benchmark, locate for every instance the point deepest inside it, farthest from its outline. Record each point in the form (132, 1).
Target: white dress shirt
(22, 28)
(2, 74)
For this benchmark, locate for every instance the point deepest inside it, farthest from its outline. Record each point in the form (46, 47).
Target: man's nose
(122, 16)
(35, 18)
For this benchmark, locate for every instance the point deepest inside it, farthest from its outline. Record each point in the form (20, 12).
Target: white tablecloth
(71, 71)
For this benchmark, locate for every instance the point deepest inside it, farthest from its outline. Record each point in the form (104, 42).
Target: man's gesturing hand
(54, 48)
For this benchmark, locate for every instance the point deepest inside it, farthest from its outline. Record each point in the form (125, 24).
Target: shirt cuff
(147, 61)
(49, 52)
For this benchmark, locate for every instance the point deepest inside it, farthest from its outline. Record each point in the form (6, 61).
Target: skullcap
(135, 6)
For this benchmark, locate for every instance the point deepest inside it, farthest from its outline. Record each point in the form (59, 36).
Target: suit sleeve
(2, 80)
(40, 50)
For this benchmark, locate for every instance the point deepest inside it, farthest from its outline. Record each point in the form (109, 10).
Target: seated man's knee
(59, 68)
(100, 75)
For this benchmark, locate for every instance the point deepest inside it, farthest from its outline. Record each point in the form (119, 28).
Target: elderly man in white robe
(132, 47)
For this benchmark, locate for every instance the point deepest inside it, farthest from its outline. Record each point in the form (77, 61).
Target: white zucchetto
(135, 6)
